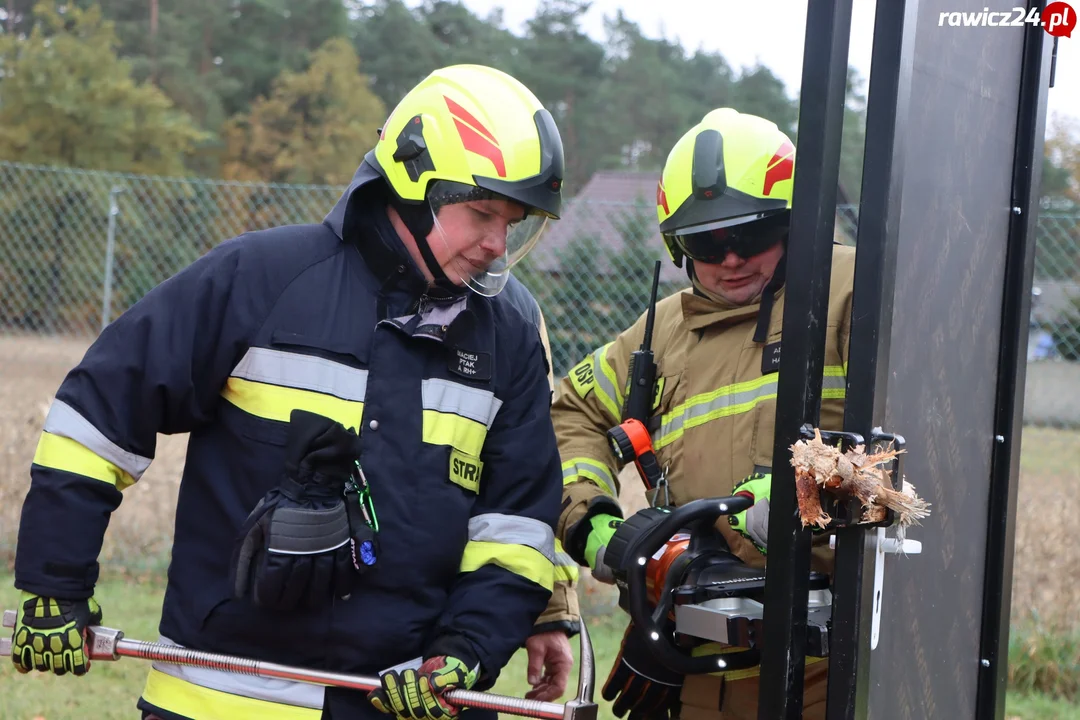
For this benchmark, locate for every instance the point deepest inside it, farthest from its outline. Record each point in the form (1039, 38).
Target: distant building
(613, 197)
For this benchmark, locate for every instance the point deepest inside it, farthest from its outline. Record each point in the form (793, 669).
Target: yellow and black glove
(50, 634)
(417, 693)
(753, 523)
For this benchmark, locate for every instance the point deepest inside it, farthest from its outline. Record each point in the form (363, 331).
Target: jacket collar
(700, 312)
(359, 218)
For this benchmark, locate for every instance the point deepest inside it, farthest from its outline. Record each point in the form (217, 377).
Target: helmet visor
(488, 236)
(745, 240)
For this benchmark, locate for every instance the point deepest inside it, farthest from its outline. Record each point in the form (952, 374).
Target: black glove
(640, 684)
(306, 541)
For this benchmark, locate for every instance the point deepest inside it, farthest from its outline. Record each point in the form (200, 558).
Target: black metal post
(871, 330)
(798, 397)
(1012, 373)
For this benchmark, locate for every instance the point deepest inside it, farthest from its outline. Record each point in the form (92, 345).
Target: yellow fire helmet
(730, 170)
(471, 132)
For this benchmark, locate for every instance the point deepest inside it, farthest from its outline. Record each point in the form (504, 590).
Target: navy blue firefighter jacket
(451, 400)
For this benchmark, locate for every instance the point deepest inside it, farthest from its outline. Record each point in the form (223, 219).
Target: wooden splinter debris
(851, 474)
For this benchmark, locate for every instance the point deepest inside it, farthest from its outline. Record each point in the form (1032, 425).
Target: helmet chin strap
(420, 220)
(761, 333)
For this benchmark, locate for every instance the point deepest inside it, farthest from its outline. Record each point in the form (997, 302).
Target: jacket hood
(340, 219)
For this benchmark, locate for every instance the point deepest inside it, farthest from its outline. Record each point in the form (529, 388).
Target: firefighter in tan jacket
(724, 204)
(550, 659)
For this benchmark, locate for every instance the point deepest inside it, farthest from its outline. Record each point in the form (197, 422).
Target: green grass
(110, 690)
(1045, 660)
(1039, 707)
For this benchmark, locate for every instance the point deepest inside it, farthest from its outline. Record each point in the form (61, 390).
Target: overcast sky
(769, 31)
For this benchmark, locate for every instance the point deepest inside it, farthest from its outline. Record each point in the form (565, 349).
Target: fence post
(110, 244)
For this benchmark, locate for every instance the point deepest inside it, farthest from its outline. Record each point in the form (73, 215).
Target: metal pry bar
(107, 644)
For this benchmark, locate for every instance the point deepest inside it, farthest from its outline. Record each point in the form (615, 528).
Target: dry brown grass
(1046, 571)
(31, 369)
(1047, 567)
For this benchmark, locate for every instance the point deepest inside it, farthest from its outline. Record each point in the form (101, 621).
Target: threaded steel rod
(229, 663)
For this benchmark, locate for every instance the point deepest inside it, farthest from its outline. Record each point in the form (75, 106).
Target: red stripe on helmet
(459, 112)
(661, 197)
(476, 143)
(781, 167)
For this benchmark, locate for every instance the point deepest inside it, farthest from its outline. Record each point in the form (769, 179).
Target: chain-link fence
(79, 247)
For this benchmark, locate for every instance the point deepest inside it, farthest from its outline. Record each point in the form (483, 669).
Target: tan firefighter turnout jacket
(714, 407)
(562, 612)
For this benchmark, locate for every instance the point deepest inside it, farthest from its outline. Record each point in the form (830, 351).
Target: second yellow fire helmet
(729, 170)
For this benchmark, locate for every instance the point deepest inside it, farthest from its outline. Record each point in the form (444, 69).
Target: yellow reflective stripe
(566, 570)
(458, 432)
(522, 560)
(61, 453)
(590, 469)
(275, 402)
(831, 389)
(566, 573)
(447, 396)
(189, 700)
(594, 373)
(728, 400)
(734, 400)
(68, 422)
(607, 383)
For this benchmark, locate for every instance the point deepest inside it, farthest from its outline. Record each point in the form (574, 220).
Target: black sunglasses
(746, 240)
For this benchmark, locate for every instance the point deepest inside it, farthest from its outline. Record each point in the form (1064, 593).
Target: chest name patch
(770, 358)
(470, 364)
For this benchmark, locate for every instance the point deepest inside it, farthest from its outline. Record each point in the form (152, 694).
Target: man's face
(738, 280)
(471, 235)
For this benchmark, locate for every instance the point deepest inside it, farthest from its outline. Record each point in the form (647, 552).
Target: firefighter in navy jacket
(384, 318)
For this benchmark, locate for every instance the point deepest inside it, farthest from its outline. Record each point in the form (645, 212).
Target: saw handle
(697, 517)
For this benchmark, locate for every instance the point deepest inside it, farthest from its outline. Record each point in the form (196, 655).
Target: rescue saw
(672, 563)
(105, 643)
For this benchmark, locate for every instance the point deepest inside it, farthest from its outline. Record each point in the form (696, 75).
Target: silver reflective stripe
(581, 467)
(834, 382)
(304, 372)
(566, 569)
(468, 402)
(693, 410)
(564, 560)
(272, 690)
(513, 530)
(65, 421)
(602, 379)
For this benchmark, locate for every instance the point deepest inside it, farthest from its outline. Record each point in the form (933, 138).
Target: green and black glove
(417, 693)
(753, 523)
(49, 634)
(603, 529)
